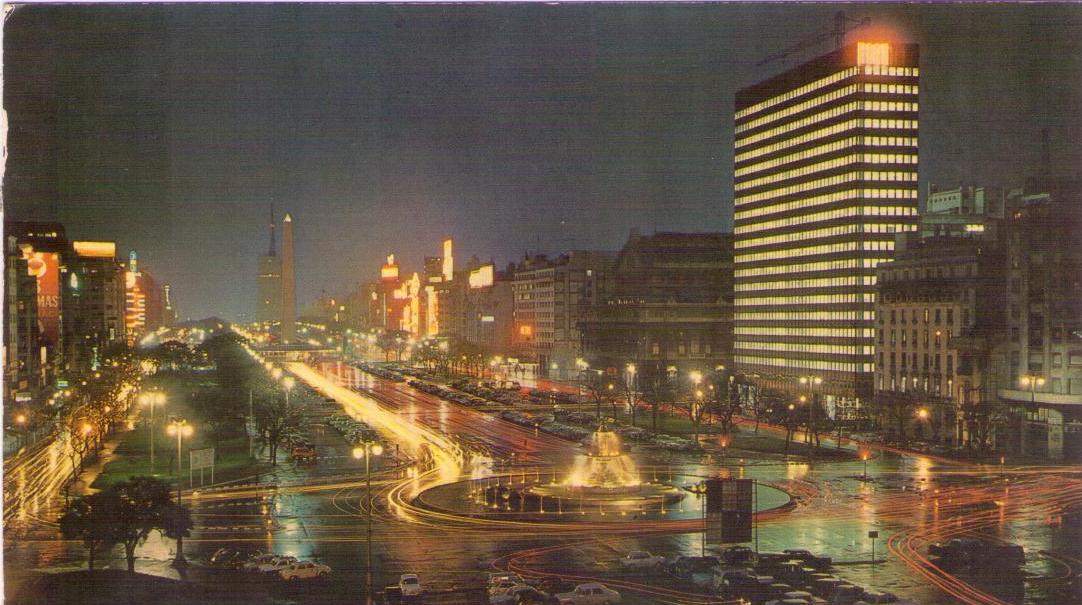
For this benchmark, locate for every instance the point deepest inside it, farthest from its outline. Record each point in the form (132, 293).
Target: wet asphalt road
(318, 513)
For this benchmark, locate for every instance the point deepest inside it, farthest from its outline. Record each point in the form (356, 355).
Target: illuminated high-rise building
(825, 176)
(269, 305)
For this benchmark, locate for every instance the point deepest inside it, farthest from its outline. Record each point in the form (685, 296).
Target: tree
(176, 524)
(90, 519)
(218, 410)
(983, 419)
(276, 423)
(634, 399)
(141, 502)
(597, 385)
(724, 403)
(393, 341)
(657, 387)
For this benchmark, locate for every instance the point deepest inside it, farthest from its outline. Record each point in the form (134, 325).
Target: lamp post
(152, 399)
(287, 384)
(366, 451)
(811, 382)
(864, 458)
(922, 415)
(1032, 381)
(181, 428)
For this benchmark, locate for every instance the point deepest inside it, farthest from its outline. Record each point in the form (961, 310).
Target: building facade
(939, 313)
(94, 304)
(1039, 366)
(825, 176)
(551, 296)
(670, 307)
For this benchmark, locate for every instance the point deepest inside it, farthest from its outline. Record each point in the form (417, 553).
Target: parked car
(303, 570)
(818, 562)
(410, 585)
(877, 598)
(640, 559)
(519, 594)
(737, 555)
(260, 559)
(700, 571)
(591, 593)
(846, 594)
(225, 557)
(275, 565)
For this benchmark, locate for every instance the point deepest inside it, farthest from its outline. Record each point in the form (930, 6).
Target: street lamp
(181, 428)
(288, 383)
(366, 451)
(276, 373)
(864, 458)
(152, 399)
(810, 382)
(1032, 381)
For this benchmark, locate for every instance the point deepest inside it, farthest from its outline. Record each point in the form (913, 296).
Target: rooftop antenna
(842, 26)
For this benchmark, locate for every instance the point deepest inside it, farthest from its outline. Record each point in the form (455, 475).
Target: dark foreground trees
(126, 514)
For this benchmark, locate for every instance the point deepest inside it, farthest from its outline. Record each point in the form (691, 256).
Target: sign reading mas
(45, 266)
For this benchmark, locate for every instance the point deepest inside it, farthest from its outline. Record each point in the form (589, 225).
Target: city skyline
(585, 151)
(561, 304)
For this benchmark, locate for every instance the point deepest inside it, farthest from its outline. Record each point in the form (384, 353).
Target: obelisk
(289, 283)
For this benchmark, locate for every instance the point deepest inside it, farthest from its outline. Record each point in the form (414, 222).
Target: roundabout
(604, 484)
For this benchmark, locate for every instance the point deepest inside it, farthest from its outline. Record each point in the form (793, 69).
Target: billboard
(729, 510)
(95, 249)
(483, 276)
(45, 266)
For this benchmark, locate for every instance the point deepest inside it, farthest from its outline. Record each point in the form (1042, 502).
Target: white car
(276, 564)
(410, 585)
(640, 559)
(495, 579)
(589, 594)
(254, 563)
(303, 570)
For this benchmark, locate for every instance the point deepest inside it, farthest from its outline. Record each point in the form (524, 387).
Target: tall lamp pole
(366, 451)
(152, 399)
(287, 384)
(181, 428)
(811, 382)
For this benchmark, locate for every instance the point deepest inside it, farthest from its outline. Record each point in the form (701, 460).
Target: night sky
(512, 128)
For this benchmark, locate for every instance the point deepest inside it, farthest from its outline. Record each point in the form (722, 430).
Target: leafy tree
(141, 502)
(218, 410)
(90, 519)
(176, 523)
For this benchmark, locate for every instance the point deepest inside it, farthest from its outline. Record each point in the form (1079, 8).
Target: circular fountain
(605, 473)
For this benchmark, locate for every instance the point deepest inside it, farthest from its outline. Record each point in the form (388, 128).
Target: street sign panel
(202, 458)
(729, 510)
